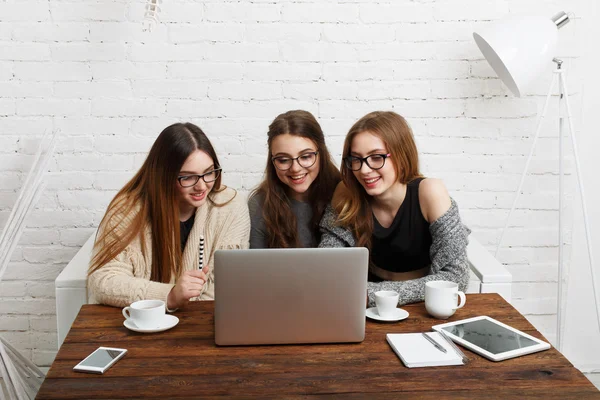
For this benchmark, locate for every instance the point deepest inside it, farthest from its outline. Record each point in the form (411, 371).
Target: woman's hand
(189, 285)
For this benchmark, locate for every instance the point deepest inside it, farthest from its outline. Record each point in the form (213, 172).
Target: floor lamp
(519, 49)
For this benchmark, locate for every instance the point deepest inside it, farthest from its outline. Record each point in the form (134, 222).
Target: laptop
(284, 296)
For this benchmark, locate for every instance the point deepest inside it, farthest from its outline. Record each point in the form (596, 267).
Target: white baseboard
(589, 368)
(594, 378)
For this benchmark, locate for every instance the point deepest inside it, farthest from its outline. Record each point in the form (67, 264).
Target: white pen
(433, 342)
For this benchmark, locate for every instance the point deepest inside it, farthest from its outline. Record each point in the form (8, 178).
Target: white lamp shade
(518, 49)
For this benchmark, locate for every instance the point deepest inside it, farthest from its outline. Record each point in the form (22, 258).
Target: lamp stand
(563, 100)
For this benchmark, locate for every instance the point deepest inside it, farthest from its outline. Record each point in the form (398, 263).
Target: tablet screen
(489, 336)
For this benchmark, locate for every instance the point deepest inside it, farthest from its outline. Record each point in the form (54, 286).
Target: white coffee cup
(145, 314)
(441, 298)
(386, 302)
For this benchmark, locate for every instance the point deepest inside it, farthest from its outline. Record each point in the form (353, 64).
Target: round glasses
(190, 180)
(374, 161)
(305, 160)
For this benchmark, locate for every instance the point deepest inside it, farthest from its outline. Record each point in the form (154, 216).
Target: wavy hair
(150, 198)
(352, 203)
(280, 222)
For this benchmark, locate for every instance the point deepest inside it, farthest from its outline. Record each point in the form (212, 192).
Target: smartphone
(100, 360)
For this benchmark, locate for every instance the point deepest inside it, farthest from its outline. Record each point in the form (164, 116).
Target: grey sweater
(448, 254)
(258, 230)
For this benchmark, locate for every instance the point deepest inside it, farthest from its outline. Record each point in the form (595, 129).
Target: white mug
(441, 298)
(386, 302)
(145, 314)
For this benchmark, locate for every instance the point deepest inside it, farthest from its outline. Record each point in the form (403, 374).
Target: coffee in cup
(386, 302)
(441, 298)
(145, 314)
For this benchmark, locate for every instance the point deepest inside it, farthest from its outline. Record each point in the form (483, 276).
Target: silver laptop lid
(276, 296)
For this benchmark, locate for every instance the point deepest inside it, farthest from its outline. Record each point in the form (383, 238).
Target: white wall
(581, 334)
(86, 68)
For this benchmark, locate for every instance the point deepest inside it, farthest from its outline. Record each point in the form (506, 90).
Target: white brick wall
(88, 69)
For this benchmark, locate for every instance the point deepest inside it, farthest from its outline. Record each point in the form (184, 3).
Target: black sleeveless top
(404, 246)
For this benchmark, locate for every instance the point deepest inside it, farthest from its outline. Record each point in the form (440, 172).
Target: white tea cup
(145, 314)
(441, 298)
(386, 302)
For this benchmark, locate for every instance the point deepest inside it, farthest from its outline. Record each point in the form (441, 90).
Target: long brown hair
(150, 198)
(280, 222)
(353, 203)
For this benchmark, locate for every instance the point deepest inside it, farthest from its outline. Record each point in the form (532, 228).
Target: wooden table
(184, 362)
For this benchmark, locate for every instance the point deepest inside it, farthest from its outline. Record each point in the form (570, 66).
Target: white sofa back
(487, 276)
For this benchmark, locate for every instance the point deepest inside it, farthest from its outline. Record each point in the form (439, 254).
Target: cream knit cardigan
(126, 278)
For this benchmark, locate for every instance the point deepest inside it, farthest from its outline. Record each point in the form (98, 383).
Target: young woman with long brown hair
(409, 223)
(148, 243)
(300, 178)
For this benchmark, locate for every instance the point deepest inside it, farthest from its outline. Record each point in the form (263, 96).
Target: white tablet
(491, 339)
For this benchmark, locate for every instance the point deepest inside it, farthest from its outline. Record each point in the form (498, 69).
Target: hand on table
(189, 285)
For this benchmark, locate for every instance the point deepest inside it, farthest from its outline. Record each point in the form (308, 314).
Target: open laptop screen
(276, 296)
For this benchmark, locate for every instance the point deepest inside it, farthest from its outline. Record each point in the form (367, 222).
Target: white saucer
(399, 314)
(167, 322)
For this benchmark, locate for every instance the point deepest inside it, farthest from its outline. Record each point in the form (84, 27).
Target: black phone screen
(100, 358)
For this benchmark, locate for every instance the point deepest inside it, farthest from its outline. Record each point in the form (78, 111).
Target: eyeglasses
(305, 160)
(374, 161)
(190, 180)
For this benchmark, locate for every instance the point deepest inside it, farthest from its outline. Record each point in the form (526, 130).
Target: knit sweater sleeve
(235, 231)
(448, 253)
(229, 229)
(333, 235)
(115, 285)
(126, 279)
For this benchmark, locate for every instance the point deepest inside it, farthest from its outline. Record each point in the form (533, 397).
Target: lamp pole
(560, 278)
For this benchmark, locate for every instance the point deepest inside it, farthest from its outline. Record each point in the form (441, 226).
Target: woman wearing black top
(409, 223)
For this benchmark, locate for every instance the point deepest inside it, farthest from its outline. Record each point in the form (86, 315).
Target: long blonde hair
(352, 203)
(150, 198)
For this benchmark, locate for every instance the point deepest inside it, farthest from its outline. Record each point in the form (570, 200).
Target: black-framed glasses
(374, 161)
(190, 180)
(305, 160)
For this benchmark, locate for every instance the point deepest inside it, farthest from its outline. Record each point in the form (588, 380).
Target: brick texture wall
(86, 68)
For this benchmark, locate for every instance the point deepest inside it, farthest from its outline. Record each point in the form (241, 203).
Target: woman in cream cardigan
(148, 243)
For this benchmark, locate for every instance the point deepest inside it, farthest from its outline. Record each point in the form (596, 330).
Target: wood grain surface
(185, 362)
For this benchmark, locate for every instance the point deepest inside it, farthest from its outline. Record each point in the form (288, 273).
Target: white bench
(488, 276)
